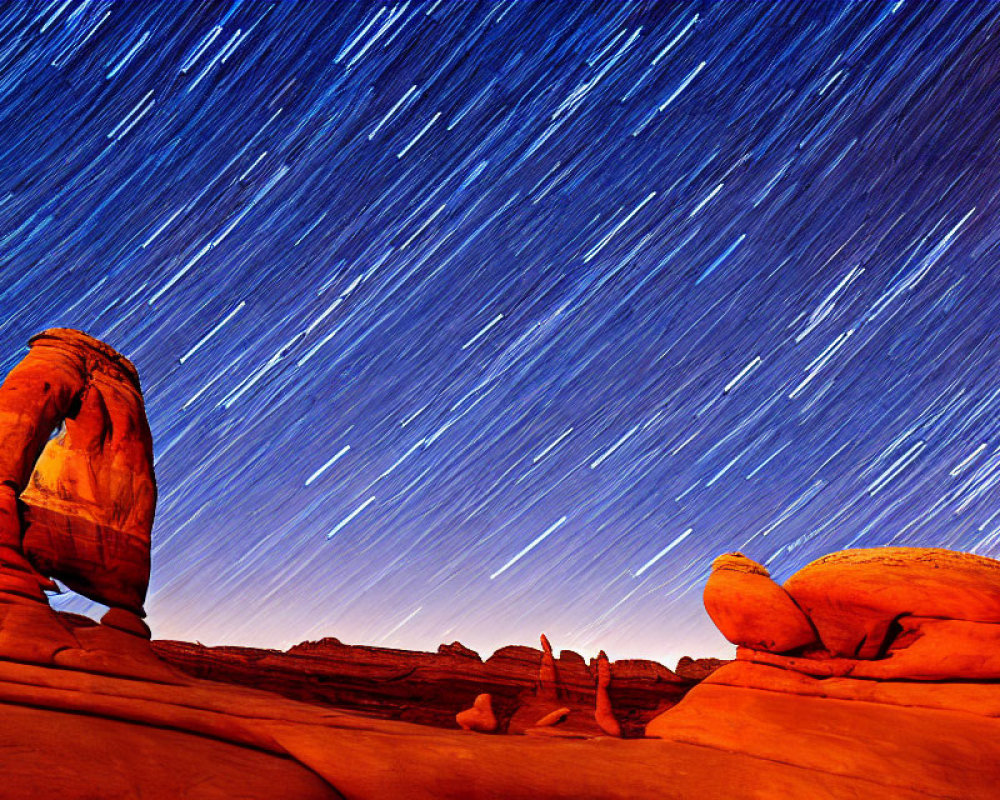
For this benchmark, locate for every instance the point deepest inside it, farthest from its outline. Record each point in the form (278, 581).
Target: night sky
(477, 320)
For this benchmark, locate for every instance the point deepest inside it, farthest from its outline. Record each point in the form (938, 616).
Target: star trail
(475, 320)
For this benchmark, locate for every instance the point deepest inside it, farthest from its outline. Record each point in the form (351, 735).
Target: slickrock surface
(143, 739)
(749, 730)
(902, 691)
(78, 756)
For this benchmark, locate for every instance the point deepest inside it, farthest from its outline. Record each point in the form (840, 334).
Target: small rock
(480, 717)
(552, 718)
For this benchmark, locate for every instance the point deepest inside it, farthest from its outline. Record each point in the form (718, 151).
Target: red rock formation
(751, 609)
(553, 718)
(900, 699)
(458, 649)
(88, 494)
(697, 669)
(548, 678)
(81, 756)
(87, 498)
(903, 695)
(430, 688)
(853, 597)
(576, 679)
(78, 736)
(603, 713)
(478, 718)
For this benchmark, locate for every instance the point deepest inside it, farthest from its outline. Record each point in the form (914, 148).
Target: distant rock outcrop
(431, 688)
(458, 649)
(697, 669)
(548, 678)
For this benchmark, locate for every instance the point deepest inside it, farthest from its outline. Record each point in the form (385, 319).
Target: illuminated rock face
(899, 686)
(854, 597)
(480, 717)
(893, 612)
(751, 610)
(88, 495)
(603, 713)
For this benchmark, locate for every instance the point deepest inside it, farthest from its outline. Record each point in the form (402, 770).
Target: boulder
(480, 717)
(853, 597)
(752, 610)
(901, 694)
(553, 718)
(127, 622)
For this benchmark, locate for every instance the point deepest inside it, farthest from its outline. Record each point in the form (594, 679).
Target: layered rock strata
(431, 688)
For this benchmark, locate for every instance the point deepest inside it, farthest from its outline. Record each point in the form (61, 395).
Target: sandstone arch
(77, 507)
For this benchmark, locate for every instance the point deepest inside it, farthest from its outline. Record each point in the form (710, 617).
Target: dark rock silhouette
(458, 649)
(697, 669)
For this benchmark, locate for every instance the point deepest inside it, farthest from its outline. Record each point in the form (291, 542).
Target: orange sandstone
(752, 610)
(480, 717)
